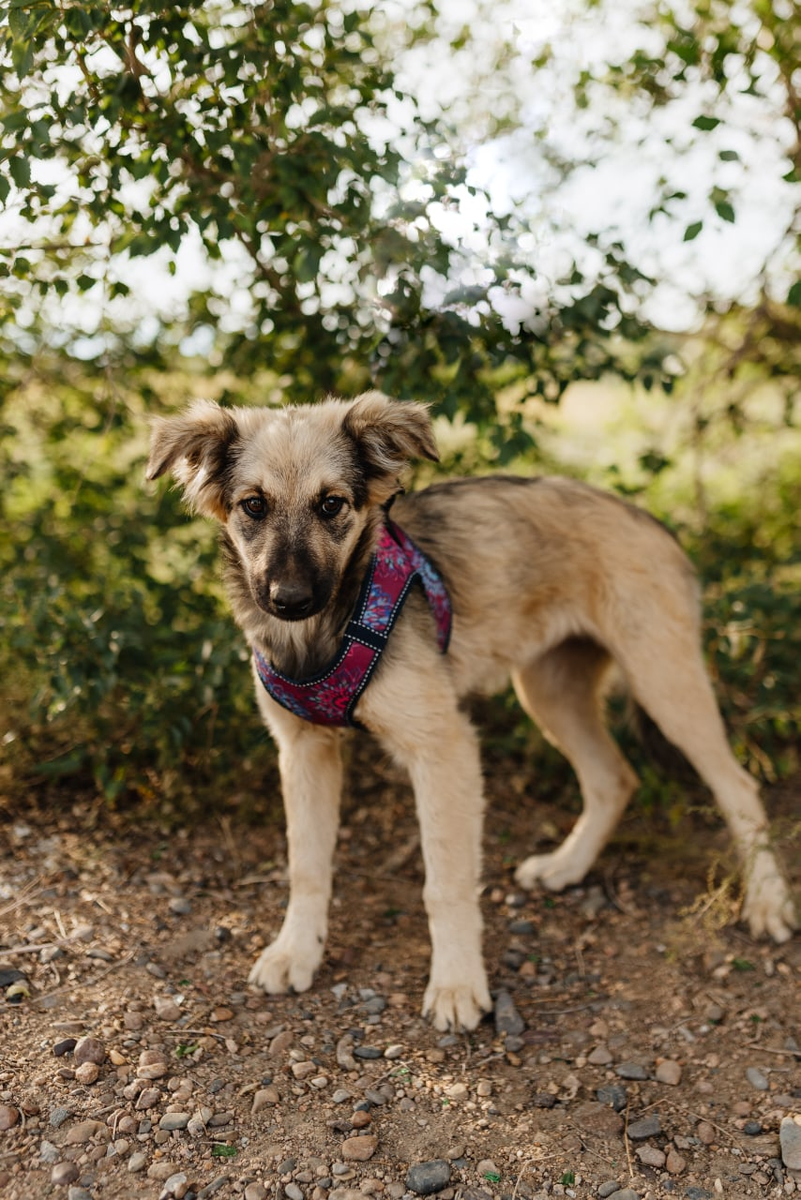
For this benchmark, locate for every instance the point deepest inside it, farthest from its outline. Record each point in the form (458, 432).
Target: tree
(274, 136)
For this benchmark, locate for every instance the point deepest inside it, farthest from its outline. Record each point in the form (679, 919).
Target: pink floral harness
(329, 697)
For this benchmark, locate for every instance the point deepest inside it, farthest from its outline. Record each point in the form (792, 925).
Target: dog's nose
(291, 600)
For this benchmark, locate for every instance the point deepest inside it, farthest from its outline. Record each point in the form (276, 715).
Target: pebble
(293, 1192)
(79, 1193)
(625, 1194)
(87, 1073)
(394, 1051)
(674, 1163)
(161, 1171)
(179, 907)
(790, 1141)
(176, 1186)
(137, 1161)
(8, 1117)
(83, 1132)
(752, 1128)
(651, 1156)
(64, 1046)
(361, 1148)
(614, 1094)
(631, 1070)
(705, 1132)
(212, 1187)
(147, 1098)
(757, 1078)
(256, 1191)
(646, 1127)
(668, 1071)
(368, 1052)
(600, 1056)
(48, 1152)
(166, 1008)
(171, 1121)
(89, 1050)
(507, 1018)
(267, 1096)
(58, 1116)
(606, 1189)
(426, 1178)
(64, 1172)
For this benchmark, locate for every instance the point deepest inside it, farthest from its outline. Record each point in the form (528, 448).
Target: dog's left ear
(196, 447)
(389, 434)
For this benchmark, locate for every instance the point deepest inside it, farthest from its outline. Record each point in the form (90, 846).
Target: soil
(142, 940)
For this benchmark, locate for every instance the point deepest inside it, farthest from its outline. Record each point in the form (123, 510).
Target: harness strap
(330, 696)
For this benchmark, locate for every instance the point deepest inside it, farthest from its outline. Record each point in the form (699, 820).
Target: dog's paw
(281, 967)
(455, 1008)
(549, 871)
(768, 908)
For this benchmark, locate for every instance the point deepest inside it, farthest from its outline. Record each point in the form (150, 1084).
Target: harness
(330, 696)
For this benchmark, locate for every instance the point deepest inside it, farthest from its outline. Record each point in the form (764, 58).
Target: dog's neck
(298, 649)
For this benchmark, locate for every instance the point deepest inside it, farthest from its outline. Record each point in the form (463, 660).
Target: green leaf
(794, 294)
(729, 156)
(692, 231)
(725, 210)
(706, 123)
(20, 170)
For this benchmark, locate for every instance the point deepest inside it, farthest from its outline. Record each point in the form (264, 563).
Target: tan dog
(550, 581)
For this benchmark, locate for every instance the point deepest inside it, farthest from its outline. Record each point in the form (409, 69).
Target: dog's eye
(255, 506)
(331, 505)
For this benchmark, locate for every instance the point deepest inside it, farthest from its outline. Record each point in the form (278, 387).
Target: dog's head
(295, 489)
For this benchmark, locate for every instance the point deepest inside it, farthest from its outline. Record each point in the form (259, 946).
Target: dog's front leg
(438, 746)
(311, 780)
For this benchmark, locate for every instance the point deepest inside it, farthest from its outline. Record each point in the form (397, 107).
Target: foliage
(275, 139)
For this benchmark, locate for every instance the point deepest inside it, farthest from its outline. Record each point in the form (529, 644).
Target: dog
(545, 579)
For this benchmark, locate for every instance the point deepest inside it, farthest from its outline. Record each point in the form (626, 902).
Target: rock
(166, 1008)
(507, 1018)
(543, 1100)
(487, 1168)
(79, 1193)
(649, 1126)
(790, 1142)
(368, 1052)
(359, 1149)
(137, 1161)
(674, 1163)
(176, 1185)
(214, 1186)
(292, 1191)
(344, 1053)
(668, 1071)
(752, 1128)
(606, 1189)
(87, 1073)
(9, 1116)
(651, 1156)
(757, 1078)
(171, 1121)
(58, 1116)
(631, 1070)
(426, 1178)
(179, 906)
(64, 1045)
(267, 1096)
(394, 1051)
(64, 1172)
(614, 1094)
(83, 1132)
(705, 1132)
(147, 1098)
(152, 1065)
(592, 1117)
(48, 1152)
(161, 1171)
(361, 1119)
(89, 1050)
(600, 1056)
(338, 1097)
(256, 1191)
(625, 1194)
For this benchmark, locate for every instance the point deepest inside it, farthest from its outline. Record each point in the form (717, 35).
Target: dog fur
(551, 581)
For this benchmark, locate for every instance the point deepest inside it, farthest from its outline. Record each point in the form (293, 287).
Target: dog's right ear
(389, 434)
(196, 447)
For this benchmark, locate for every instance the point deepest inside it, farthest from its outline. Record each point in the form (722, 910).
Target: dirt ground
(636, 1051)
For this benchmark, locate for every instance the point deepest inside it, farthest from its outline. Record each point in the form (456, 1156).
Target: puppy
(356, 617)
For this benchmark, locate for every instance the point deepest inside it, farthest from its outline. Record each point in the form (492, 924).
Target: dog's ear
(196, 447)
(389, 434)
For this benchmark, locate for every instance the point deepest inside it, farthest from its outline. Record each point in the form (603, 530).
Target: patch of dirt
(653, 1052)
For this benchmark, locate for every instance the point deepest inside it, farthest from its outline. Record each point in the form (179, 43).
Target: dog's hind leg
(311, 781)
(668, 678)
(562, 691)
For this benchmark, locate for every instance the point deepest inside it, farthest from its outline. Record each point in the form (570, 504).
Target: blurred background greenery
(576, 237)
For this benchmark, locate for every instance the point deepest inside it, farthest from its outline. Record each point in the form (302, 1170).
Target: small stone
(606, 1189)
(79, 1193)
(543, 1100)
(265, 1097)
(87, 1073)
(9, 1116)
(89, 1050)
(457, 1091)
(486, 1167)
(368, 1052)
(256, 1191)
(649, 1126)
(361, 1119)
(507, 1018)
(613, 1094)
(668, 1071)
(179, 906)
(426, 1178)
(600, 1056)
(147, 1098)
(625, 1194)
(171, 1121)
(211, 1188)
(221, 1013)
(359, 1149)
(137, 1161)
(161, 1171)
(394, 1051)
(176, 1186)
(338, 1097)
(705, 1132)
(166, 1008)
(58, 1116)
(674, 1163)
(64, 1046)
(651, 1156)
(757, 1079)
(83, 1132)
(64, 1172)
(790, 1141)
(752, 1128)
(49, 1153)
(292, 1191)
(631, 1070)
